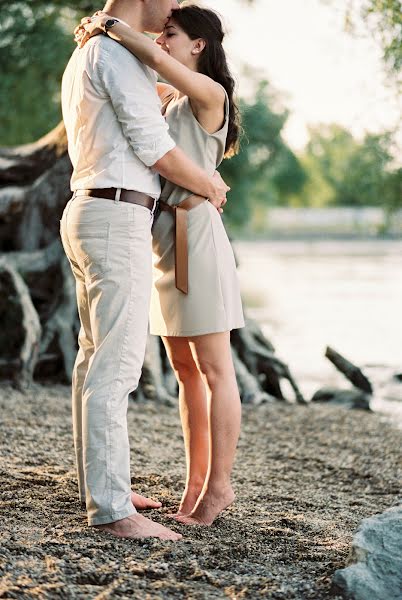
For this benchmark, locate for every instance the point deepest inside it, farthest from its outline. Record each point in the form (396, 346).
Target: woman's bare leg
(194, 419)
(213, 357)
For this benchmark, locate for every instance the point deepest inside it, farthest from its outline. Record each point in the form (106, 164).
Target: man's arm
(137, 107)
(181, 170)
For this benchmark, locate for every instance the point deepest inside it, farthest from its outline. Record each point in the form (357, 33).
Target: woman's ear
(198, 46)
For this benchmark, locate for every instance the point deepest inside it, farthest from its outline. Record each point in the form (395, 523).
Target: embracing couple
(124, 131)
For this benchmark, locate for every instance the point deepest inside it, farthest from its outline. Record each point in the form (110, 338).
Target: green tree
(383, 19)
(33, 50)
(317, 191)
(35, 43)
(265, 171)
(345, 171)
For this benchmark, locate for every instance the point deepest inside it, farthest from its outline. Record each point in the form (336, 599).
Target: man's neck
(132, 17)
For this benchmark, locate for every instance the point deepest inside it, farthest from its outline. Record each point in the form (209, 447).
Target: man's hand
(218, 197)
(181, 170)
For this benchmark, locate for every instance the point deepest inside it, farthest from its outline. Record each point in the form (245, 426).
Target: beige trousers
(108, 244)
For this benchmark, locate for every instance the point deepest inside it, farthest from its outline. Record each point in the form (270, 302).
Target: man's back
(112, 116)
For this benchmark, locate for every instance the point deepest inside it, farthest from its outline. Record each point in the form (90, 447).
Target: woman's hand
(221, 189)
(89, 27)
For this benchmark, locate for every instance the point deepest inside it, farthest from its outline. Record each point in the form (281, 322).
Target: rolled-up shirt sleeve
(135, 101)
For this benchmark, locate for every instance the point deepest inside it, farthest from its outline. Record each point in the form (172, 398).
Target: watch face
(110, 22)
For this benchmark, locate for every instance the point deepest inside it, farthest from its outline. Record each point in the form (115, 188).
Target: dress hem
(197, 331)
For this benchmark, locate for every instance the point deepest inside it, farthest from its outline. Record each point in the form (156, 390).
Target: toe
(143, 503)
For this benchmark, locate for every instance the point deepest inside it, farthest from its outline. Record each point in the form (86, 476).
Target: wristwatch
(109, 24)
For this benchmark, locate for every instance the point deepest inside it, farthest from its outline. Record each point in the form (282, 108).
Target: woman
(196, 299)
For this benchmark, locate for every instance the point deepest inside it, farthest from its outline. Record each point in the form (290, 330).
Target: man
(118, 143)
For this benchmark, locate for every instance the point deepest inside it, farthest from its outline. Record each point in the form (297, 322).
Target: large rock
(377, 554)
(352, 398)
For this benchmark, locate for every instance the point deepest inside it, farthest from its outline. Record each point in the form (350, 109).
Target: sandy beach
(304, 478)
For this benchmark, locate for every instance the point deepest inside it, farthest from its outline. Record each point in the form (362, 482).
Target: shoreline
(305, 477)
(313, 237)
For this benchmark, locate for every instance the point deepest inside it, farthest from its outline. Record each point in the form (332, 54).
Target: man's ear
(198, 46)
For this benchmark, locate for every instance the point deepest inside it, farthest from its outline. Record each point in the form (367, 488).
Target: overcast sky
(326, 74)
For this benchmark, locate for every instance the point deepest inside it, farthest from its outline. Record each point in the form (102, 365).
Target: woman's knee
(182, 361)
(184, 367)
(213, 371)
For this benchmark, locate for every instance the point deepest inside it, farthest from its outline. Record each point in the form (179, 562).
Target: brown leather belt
(131, 196)
(179, 213)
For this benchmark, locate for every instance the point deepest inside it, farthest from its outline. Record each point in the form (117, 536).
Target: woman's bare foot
(209, 506)
(137, 526)
(188, 501)
(143, 503)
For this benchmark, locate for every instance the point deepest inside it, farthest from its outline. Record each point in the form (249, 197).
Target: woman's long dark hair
(199, 22)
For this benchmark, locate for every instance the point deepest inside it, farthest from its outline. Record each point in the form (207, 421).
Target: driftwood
(351, 398)
(351, 371)
(38, 306)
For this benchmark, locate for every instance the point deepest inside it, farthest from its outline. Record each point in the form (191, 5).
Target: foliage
(35, 44)
(34, 50)
(383, 18)
(345, 171)
(265, 171)
(83, 7)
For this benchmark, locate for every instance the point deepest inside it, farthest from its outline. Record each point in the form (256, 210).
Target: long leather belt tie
(179, 213)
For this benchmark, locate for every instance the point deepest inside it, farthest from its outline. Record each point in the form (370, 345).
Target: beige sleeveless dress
(213, 303)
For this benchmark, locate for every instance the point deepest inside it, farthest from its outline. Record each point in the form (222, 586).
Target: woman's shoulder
(210, 121)
(219, 101)
(225, 98)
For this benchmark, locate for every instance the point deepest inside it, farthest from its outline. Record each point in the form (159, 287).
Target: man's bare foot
(138, 501)
(209, 506)
(137, 526)
(143, 503)
(188, 501)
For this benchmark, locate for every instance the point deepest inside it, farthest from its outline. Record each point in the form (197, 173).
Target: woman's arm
(203, 90)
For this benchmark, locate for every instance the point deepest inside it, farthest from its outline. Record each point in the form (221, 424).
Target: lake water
(344, 294)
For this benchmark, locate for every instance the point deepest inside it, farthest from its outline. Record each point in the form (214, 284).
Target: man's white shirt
(113, 119)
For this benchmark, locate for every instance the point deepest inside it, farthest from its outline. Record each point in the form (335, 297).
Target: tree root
(39, 303)
(17, 309)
